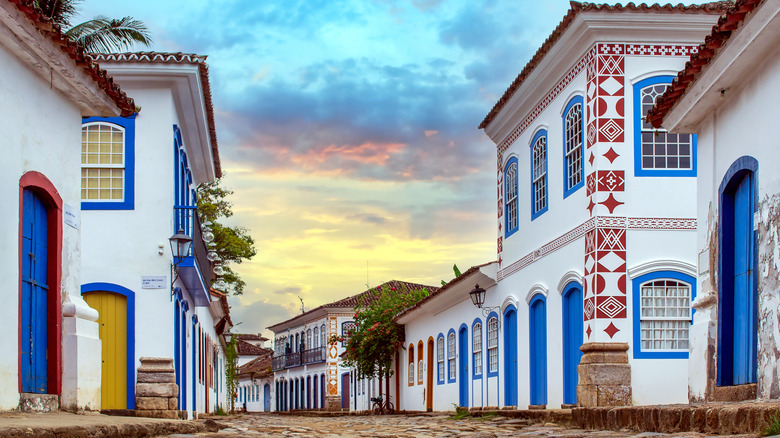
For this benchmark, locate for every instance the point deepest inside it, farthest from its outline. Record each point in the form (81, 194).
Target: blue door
(538, 349)
(572, 340)
(267, 397)
(744, 316)
(34, 294)
(463, 366)
(510, 356)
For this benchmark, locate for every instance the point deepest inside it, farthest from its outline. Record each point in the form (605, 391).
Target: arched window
(492, 345)
(539, 174)
(658, 152)
(308, 339)
(451, 356)
(476, 338)
(103, 161)
(323, 336)
(316, 337)
(297, 342)
(440, 357)
(573, 135)
(346, 329)
(663, 314)
(411, 365)
(420, 354)
(510, 197)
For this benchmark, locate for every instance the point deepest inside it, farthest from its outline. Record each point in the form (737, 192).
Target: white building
(596, 225)
(49, 346)
(308, 370)
(139, 175)
(255, 388)
(727, 95)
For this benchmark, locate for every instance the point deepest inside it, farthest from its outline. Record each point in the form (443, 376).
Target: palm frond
(105, 35)
(60, 11)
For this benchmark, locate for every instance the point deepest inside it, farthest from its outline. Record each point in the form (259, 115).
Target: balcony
(291, 360)
(195, 269)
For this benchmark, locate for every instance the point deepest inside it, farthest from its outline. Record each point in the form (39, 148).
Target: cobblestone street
(398, 426)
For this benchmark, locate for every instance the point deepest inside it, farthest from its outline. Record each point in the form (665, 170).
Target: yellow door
(112, 310)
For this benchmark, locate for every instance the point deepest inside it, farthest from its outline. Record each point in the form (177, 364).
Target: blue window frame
(476, 349)
(451, 367)
(492, 344)
(440, 359)
(108, 163)
(510, 197)
(656, 151)
(738, 274)
(573, 141)
(539, 198)
(347, 328)
(662, 314)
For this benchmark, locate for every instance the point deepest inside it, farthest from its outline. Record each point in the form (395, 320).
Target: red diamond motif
(588, 331)
(611, 155)
(610, 330)
(611, 203)
(591, 205)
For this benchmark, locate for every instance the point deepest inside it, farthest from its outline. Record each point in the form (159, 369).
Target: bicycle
(381, 406)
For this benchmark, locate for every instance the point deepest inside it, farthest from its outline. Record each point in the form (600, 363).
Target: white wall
(41, 131)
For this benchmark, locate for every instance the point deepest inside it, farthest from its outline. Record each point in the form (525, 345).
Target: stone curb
(132, 430)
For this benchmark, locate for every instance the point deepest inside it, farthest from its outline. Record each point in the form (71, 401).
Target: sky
(348, 132)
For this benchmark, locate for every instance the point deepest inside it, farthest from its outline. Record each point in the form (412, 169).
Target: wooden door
(572, 340)
(463, 367)
(429, 377)
(345, 391)
(34, 305)
(112, 321)
(510, 356)
(538, 349)
(743, 301)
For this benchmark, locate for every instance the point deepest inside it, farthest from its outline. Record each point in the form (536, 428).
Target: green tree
(233, 244)
(101, 34)
(231, 372)
(372, 345)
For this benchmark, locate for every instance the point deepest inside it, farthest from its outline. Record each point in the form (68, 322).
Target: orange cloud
(366, 153)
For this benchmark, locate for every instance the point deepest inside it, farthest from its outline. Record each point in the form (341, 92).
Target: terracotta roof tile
(713, 43)
(252, 337)
(75, 52)
(259, 366)
(577, 8)
(246, 348)
(177, 58)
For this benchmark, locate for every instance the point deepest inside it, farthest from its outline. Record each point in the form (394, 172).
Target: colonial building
(255, 389)
(308, 371)
(726, 95)
(49, 345)
(151, 282)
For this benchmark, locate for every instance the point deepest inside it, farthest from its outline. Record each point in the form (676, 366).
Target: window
(663, 314)
(411, 365)
(308, 339)
(323, 339)
(316, 337)
(539, 174)
(108, 163)
(476, 347)
(346, 329)
(492, 345)
(658, 152)
(440, 357)
(510, 196)
(297, 342)
(573, 135)
(451, 356)
(420, 354)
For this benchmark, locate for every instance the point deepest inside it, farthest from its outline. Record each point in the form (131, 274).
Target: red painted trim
(45, 189)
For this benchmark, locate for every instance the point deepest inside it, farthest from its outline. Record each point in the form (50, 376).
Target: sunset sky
(348, 130)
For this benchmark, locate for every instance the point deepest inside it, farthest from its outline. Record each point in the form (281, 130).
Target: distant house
(596, 219)
(308, 370)
(49, 346)
(138, 179)
(255, 390)
(727, 94)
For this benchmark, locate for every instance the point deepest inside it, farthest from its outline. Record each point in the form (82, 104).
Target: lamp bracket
(486, 311)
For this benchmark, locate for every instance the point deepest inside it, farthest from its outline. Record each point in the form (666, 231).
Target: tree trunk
(379, 377)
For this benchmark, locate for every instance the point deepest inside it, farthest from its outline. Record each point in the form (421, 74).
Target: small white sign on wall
(70, 215)
(154, 282)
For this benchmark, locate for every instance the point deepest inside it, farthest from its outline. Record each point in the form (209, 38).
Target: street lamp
(477, 296)
(180, 246)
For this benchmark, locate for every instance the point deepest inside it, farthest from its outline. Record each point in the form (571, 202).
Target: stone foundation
(604, 375)
(332, 403)
(156, 394)
(29, 402)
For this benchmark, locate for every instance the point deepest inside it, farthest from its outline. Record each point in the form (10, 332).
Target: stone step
(29, 402)
(720, 418)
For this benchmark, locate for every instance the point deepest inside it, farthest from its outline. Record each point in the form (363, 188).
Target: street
(396, 426)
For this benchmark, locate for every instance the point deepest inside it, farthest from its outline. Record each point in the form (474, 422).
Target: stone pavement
(398, 426)
(68, 425)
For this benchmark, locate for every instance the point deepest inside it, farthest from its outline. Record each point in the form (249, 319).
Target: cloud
(288, 291)
(256, 316)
